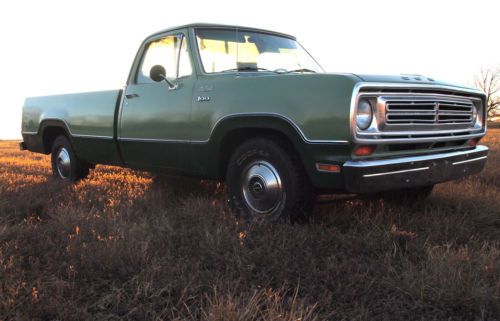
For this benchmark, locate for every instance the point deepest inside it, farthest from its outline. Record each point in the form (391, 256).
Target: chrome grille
(408, 111)
(420, 113)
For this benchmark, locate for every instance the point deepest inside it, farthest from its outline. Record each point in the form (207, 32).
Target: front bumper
(407, 172)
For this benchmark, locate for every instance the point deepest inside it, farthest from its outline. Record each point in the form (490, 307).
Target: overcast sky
(51, 46)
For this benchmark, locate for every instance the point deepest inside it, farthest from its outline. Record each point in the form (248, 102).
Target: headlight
(474, 114)
(364, 114)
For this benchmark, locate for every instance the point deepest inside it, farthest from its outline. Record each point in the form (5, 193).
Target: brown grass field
(124, 245)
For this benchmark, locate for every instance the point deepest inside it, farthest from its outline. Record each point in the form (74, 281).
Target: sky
(51, 46)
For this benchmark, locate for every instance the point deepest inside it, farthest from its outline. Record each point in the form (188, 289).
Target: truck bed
(88, 119)
(85, 114)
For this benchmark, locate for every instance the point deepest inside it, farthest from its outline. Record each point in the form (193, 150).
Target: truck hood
(355, 78)
(408, 79)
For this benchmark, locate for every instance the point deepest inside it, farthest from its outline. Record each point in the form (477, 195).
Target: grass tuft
(128, 245)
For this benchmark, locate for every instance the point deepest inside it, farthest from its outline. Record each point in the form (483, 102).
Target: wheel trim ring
(262, 188)
(63, 163)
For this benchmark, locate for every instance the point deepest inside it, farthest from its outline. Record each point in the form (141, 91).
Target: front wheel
(65, 165)
(267, 182)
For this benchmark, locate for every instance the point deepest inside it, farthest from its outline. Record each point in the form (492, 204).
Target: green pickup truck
(253, 108)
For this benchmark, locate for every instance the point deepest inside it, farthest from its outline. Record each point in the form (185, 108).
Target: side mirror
(158, 73)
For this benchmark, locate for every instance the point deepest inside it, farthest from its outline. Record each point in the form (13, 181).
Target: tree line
(488, 80)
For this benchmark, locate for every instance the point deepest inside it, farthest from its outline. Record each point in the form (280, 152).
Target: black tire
(249, 194)
(60, 153)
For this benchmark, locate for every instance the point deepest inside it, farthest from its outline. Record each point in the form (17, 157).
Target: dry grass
(125, 245)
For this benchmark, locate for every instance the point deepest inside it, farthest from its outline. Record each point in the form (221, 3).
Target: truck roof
(221, 26)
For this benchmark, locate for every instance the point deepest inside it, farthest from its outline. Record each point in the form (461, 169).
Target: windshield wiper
(281, 71)
(301, 70)
(248, 69)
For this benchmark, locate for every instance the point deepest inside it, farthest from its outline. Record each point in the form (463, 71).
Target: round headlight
(474, 114)
(364, 114)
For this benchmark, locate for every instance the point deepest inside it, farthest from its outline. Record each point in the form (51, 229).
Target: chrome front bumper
(408, 172)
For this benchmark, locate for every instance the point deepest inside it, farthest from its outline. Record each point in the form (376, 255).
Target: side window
(171, 53)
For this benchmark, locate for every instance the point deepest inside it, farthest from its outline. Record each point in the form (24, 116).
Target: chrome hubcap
(63, 163)
(261, 185)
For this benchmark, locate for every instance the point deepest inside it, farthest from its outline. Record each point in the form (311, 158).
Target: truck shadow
(348, 209)
(186, 186)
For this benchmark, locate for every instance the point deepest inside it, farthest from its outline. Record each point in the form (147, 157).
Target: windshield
(223, 50)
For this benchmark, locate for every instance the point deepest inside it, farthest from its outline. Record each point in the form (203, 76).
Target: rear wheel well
(236, 137)
(49, 136)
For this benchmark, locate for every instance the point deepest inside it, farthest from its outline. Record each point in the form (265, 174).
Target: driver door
(154, 124)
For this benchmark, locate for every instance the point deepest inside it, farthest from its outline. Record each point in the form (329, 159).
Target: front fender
(231, 131)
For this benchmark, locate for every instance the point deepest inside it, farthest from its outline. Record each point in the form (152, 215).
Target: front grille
(419, 114)
(409, 111)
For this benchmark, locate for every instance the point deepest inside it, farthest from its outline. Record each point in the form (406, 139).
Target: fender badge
(203, 98)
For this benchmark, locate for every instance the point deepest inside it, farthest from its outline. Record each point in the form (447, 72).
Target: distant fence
(495, 124)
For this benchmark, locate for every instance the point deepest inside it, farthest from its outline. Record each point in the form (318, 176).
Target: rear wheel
(267, 182)
(65, 165)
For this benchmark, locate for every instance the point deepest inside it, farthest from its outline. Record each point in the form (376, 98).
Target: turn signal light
(364, 150)
(473, 142)
(328, 168)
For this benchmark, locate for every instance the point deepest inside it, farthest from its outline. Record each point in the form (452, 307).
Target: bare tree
(489, 82)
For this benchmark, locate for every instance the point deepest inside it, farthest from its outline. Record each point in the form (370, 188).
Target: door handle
(131, 96)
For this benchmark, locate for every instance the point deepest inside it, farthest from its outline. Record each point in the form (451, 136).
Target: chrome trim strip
(75, 135)
(469, 160)
(438, 133)
(153, 140)
(357, 88)
(398, 172)
(92, 136)
(420, 140)
(393, 161)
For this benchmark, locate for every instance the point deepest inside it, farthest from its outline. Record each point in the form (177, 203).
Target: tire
(65, 165)
(266, 182)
